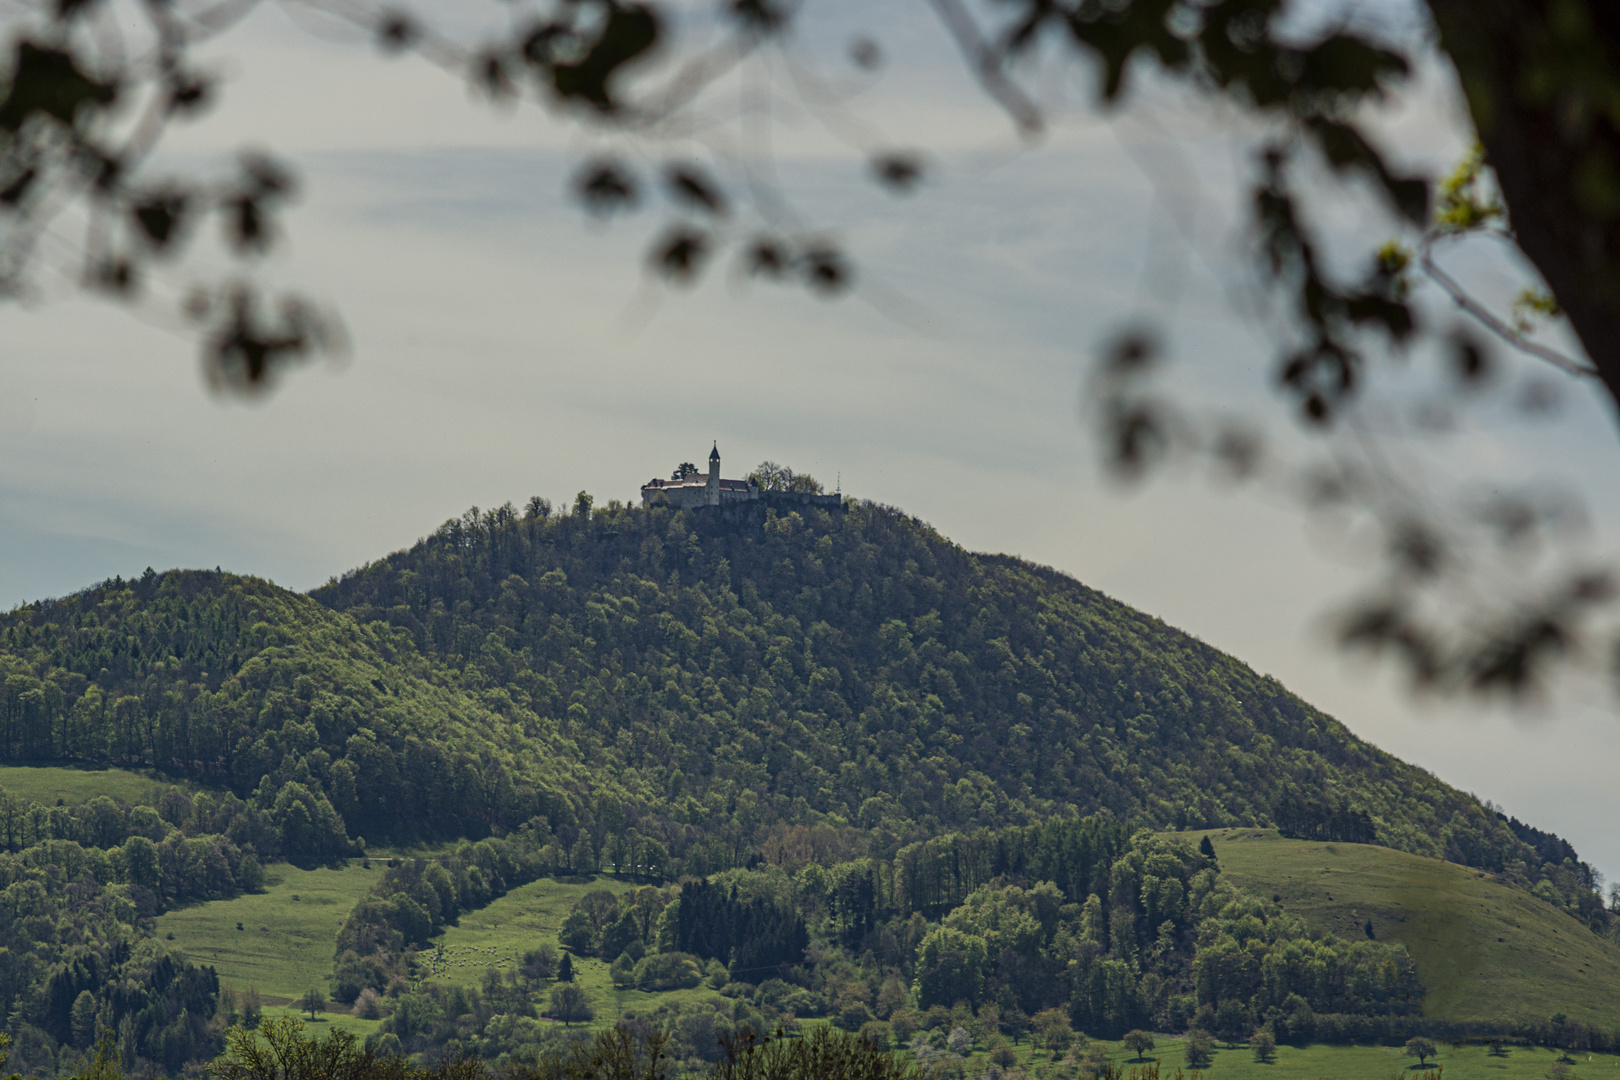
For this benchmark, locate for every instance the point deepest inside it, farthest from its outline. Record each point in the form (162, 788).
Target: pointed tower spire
(713, 493)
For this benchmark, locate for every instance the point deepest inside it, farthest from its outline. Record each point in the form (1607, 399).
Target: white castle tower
(713, 491)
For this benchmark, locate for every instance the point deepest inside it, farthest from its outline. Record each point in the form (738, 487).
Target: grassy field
(285, 944)
(1485, 950)
(527, 917)
(1318, 1062)
(76, 784)
(337, 1018)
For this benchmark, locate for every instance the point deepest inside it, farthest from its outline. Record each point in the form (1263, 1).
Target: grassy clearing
(1319, 1062)
(1485, 950)
(285, 944)
(74, 784)
(497, 935)
(335, 1018)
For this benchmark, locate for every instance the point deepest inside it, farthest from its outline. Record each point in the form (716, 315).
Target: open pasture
(1486, 950)
(1322, 1062)
(497, 936)
(287, 934)
(74, 784)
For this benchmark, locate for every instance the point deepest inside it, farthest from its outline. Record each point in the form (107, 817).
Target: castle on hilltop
(693, 489)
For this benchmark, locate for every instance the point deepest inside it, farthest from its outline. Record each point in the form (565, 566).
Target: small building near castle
(695, 489)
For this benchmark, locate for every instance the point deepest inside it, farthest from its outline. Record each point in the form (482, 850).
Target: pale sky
(504, 345)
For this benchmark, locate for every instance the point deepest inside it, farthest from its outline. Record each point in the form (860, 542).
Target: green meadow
(78, 784)
(1320, 1062)
(497, 935)
(335, 1018)
(1485, 950)
(284, 946)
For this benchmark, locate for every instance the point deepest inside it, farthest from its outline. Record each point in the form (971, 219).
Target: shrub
(877, 1033)
(368, 1006)
(854, 1016)
(667, 971)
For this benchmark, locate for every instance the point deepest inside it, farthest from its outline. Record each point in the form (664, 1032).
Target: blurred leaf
(1470, 361)
(48, 82)
(1346, 149)
(115, 274)
(397, 31)
(865, 54)
(18, 189)
(605, 186)
(628, 31)
(689, 185)
(899, 170)
(246, 351)
(769, 257)
(491, 76)
(160, 217)
(189, 93)
(826, 270)
(681, 254)
(72, 9)
(759, 15)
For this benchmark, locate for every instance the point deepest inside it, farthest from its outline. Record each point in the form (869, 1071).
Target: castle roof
(714, 455)
(695, 482)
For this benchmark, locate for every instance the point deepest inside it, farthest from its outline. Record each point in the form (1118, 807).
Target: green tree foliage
(1264, 1045)
(1138, 1042)
(1420, 1048)
(756, 938)
(1200, 1049)
(773, 477)
(570, 1004)
(313, 1002)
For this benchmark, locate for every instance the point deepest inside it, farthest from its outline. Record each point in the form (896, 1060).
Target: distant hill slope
(704, 683)
(1485, 951)
(244, 685)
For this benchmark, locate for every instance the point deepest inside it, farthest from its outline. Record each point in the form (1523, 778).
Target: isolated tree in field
(1420, 1048)
(538, 965)
(1498, 1049)
(1200, 1049)
(1264, 1045)
(570, 1004)
(1205, 848)
(565, 970)
(1138, 1042)
(1053, 1030)
(312, 1002)
(1560, 1070)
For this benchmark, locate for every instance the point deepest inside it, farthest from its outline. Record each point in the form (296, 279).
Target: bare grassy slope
(1486, 951)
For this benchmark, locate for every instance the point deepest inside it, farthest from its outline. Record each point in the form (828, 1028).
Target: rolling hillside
(1486, 951)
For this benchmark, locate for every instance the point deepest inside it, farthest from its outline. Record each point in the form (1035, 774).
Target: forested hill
(708, 689)
(862, 669)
